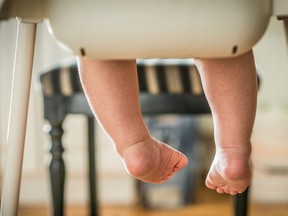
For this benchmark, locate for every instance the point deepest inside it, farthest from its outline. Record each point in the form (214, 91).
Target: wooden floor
(208, 203)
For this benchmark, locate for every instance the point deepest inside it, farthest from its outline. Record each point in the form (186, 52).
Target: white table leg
(18, 115)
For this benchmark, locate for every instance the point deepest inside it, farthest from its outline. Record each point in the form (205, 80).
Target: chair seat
(166, 86)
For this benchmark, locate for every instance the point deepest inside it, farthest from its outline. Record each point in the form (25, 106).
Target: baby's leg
(231, 89)
(112, 91)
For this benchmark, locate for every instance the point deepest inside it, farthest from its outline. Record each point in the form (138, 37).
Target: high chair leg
(18, 115)
(284, 19)
(285, 23)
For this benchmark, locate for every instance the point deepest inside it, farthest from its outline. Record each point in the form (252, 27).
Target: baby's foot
(153, 161)
(230, 171)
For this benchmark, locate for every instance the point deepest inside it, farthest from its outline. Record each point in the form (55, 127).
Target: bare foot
(153, 161)
(230, 171)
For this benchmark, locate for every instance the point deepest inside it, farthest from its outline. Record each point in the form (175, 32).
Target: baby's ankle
(237, 149)
(123, 147)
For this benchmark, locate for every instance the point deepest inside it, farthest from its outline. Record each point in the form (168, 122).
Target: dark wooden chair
(166, 87)
(63, 95)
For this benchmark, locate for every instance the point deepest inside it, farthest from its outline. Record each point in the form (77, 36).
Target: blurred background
(270, 136)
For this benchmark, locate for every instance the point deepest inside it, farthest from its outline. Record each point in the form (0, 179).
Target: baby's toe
(220, 190)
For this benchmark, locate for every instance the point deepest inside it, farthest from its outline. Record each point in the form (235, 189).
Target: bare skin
(112, 91)
(230, 86)
(231, 89)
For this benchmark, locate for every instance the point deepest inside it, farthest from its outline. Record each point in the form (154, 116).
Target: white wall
(270, 153)
(270, 55)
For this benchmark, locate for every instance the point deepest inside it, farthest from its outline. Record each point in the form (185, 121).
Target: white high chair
(111, 29)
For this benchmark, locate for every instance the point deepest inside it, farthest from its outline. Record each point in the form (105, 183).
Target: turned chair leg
(57, 168)
(241, 203)
(92, 168)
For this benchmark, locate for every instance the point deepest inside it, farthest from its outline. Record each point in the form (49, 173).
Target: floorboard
(208, 203)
